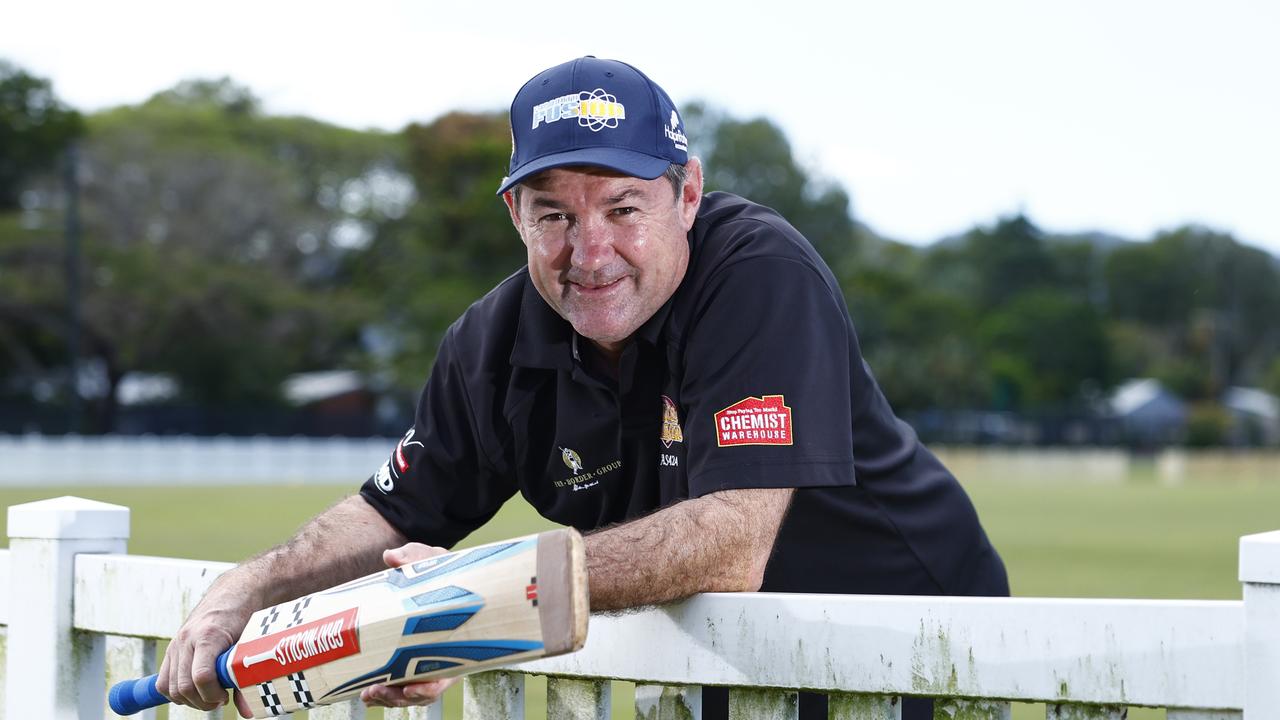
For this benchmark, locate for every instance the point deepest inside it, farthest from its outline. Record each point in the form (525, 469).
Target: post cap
(1260, 558)
(68, 517)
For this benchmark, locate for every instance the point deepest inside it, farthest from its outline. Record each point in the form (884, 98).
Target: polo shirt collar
(545, 340)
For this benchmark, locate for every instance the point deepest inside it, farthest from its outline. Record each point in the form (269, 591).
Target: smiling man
(676, 375)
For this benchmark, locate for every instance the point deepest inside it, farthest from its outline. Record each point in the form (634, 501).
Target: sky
(1124, 116)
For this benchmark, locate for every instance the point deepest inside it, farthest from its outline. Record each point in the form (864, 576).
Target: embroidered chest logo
(765, 420)
(582, 478)
(671, 432)
(571, 460)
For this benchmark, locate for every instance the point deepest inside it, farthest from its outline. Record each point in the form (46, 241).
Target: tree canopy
(229, 248)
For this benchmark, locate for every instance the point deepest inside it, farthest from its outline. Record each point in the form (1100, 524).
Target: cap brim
(627, 162)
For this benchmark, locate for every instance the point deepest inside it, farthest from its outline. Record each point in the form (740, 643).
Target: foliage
(35, 128)
(229, 248)
(454, 245)
(1207, 425)
(212, 239)
(753, 158)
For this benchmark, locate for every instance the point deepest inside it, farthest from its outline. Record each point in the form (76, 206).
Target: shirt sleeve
(766, 381)
(439, 483)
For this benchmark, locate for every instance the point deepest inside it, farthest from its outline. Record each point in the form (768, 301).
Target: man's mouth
(591, 288)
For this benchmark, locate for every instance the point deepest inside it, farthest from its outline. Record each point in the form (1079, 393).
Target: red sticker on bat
(754, 421)
(296, 648)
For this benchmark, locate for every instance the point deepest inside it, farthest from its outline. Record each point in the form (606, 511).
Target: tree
(213, 241)
(1212, 301)
(35, 127)
(753, 158)
(452, 247)
(1007, 260)
(1044, 348)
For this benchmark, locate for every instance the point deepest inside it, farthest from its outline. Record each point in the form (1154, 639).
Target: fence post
(52, 671)
(1260, 574)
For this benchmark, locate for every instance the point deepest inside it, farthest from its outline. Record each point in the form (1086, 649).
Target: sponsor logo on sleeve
(383, 478)
(764, 420)
(402, 463)
(296, 649)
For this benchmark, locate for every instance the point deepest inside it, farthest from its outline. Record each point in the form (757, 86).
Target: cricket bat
(436, 618)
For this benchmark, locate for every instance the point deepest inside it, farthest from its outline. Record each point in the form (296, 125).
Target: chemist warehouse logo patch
(754, 421)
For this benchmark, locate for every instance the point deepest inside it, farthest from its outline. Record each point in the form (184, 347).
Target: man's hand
(187, 674)
(339, 544)
(422, 693)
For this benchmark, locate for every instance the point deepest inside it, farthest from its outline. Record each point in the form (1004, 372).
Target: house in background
(1255, 416)
(1149, 414)
(332, 402)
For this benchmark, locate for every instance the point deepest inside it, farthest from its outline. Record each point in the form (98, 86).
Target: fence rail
(80, 613)
(191, 460)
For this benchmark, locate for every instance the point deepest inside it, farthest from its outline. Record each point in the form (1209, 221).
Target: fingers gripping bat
(436, 618)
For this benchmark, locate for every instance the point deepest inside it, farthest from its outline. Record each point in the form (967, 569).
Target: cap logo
(595, 110)
(673, 133)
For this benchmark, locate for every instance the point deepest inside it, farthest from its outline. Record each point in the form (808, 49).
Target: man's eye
(553, 217)
(623, 211)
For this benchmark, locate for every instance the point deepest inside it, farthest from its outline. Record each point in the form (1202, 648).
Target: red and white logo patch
(295, 649)
(402, 463)
(764, 420)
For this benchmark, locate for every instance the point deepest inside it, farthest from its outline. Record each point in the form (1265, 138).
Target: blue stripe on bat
(397, 667)
(426, 666)
(447, 620)
(446, 564)
(444, 594)
(475, 558)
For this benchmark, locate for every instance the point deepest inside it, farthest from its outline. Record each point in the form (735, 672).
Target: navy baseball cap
(594, 112)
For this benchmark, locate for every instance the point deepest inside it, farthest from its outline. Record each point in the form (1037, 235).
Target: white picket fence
(81, 614)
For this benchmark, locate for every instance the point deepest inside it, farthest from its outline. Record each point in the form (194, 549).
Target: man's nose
(592, 244)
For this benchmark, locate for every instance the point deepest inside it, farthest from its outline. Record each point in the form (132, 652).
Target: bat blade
(445, 616)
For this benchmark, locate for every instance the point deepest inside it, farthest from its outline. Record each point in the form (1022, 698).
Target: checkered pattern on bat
(301, 691)
(298, 607)
(270, 700)
(269, 619)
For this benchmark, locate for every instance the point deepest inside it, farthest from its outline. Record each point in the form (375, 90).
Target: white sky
(1124, 116)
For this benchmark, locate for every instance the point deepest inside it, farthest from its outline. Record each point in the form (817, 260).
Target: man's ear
(509, 197)
(691, 192)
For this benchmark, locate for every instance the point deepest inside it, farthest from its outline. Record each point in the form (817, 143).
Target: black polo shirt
(749, 377)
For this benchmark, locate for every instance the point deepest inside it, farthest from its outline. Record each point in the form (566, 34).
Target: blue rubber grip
(132, 696)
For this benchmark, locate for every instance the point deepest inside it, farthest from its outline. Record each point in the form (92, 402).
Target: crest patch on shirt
(765, 420)
(671, 432)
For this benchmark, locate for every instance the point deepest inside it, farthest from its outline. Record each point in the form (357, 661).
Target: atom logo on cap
(595, 110)
(599, 110)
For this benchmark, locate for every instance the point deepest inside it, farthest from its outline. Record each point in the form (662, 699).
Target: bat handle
(133, 696)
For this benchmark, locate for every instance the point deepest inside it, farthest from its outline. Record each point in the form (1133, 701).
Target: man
(677, 374)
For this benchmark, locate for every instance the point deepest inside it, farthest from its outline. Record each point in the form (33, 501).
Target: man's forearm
(341, 543)
(716, 543)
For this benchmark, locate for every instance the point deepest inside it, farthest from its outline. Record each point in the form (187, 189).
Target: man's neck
(600, 357)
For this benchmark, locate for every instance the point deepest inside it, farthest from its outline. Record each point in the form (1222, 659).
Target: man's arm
(716, 543)
(341, 543)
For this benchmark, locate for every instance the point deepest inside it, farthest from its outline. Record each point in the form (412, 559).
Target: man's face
(606, 250)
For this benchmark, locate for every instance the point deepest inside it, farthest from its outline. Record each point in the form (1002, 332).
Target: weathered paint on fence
(494, 694)
(763, 704)
(1203, 660)
(846, 706)
(569, 699)
(668, 702)
(1174, 652)
(51, 671)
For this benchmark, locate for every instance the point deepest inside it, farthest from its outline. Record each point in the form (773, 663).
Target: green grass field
(1131, 538)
